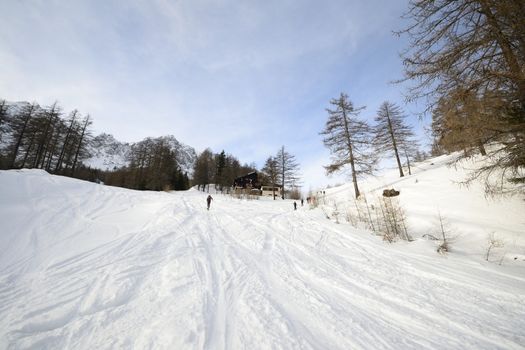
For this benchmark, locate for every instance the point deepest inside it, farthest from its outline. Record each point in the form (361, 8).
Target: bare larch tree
(348, 140)
(476, 47)
(391, 133)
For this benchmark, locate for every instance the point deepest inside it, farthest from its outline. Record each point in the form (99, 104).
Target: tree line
(41, 137)
(357, 145)
(283, 169)
(221, 169)
(466, 63)
(46, 138)
(154, 164)
(38, 137)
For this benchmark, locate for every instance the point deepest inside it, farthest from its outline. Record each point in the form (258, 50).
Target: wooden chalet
(250, 181)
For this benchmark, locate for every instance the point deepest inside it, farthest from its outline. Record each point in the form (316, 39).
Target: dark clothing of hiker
(208, 200)
(294, 205)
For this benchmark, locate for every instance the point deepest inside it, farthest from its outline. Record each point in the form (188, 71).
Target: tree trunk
(391, 131)
(28, 150)
(79, 147)
(66, 141)
(408, 162)
(21, 135)
(350, 151)
(41, 150)
(354, 175)
(283, 173)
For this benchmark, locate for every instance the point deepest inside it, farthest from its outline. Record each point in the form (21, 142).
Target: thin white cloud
(245, 76)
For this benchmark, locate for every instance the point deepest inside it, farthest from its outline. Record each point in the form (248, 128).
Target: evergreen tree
(271, 171)
(204, 169)
(288, 169)
(220, 161)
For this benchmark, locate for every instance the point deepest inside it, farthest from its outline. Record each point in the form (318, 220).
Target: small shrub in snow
(393, 220)
(443, 247)
(364, 213)
(444, 232)
(350, 218)
(492, 243)
(335, 213)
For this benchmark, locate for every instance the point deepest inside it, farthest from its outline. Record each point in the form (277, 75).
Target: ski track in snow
(98, 267)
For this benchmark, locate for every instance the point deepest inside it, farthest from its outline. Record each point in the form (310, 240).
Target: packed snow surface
(86, 266)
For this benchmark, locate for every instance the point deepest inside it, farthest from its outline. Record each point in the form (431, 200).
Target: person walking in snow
(208, 200)
(294, 205)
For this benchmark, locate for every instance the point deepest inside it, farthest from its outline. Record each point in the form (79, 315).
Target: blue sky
(243, 76)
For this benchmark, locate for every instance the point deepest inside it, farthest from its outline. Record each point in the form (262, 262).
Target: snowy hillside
(87, 266)
(434, 189)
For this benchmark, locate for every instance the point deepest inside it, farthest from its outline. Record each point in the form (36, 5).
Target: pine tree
(391, 133)
(204, 168)
(288, 169)
(220, 161)
(348, 140)
(271, 170)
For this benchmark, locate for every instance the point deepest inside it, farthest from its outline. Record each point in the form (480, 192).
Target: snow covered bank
(88, 266)
(434, 189)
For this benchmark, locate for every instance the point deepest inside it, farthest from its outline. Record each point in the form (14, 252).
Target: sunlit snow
(87, 266)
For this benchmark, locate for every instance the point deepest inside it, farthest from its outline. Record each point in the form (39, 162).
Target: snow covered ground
(86, 266)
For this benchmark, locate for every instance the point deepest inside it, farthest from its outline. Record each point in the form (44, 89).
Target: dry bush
(393, 220)
(492, 243)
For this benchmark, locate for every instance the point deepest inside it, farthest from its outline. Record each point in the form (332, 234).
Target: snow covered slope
(434, 189)
(86, 266)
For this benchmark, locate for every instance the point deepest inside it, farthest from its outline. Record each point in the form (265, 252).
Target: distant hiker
(302, 202)
(294, 205)
(208, 200)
